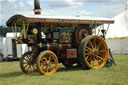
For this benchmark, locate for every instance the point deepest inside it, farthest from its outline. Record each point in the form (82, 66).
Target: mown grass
(11, 74)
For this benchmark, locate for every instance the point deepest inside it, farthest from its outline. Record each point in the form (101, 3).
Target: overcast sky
(99, 8)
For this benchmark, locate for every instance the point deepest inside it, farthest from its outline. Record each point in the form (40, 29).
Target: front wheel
(47, 63)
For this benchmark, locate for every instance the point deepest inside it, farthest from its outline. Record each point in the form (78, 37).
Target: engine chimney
(37, 9)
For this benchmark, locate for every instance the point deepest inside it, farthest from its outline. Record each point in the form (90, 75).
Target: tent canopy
(120, 27)
(117, 35)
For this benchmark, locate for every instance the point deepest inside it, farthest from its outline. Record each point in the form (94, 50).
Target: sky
(97, 8)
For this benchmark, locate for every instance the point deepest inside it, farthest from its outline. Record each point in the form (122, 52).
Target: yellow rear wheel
(47, 63)
(93, 52)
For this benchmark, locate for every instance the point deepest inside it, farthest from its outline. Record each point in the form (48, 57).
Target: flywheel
(82, 32)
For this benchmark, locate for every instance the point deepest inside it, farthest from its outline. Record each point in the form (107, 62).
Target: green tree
(4, 30)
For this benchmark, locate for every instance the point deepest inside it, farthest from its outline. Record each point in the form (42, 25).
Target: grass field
(11, 74)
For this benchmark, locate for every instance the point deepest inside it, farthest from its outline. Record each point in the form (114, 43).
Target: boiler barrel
(56, 46)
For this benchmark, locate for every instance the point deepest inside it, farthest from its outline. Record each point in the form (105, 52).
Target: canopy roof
(57, 19)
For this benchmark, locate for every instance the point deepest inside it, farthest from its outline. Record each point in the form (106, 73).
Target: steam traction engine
(53, 40)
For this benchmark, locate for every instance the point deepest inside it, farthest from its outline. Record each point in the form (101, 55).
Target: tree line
(4, 30)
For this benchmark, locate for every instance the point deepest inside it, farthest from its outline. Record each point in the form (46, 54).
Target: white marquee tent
(117, 34)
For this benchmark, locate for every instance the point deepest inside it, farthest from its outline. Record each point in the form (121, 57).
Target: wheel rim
(27, 63)
(48, 63)
(96, 52)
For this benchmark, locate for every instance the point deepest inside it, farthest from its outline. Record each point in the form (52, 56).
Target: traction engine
(52, 40)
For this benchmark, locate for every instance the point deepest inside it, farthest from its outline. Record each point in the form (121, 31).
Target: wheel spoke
(89, 58)
(45, 58)
(25, 62)
(49, 58)
(33, 68)
(50, 67)
(102, 51)
(43, 66)
(99, 53)
(97, 61)
(91, 44)
(25, 66)
(94, 43)
(98, 46)
(28, 68)
(87, 50)
(52, 62)
(47, 69)
(44, 62)
(91, 62)
(88, 53)
(26, 59)
(100, 57)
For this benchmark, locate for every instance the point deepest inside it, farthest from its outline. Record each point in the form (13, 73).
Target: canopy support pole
(15, 31)
(52, 27)
(24, 30)
(107, 28)
(99, 30)
(95, 29)
(27, 28)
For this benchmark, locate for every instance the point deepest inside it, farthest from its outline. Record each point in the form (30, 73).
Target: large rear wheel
(93, 52)
(47, 63)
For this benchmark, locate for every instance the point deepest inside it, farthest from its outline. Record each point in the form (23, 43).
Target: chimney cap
(37, 9)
